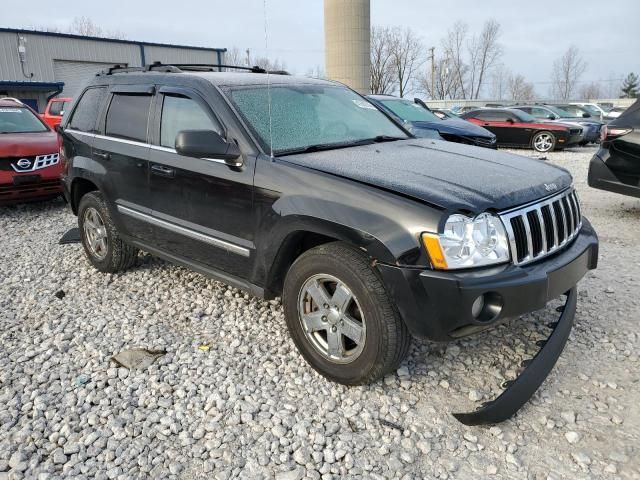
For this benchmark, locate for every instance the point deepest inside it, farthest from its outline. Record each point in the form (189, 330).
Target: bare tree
(383, 79)
(590, 90)
(484, 51)
(86, 27)
(405, 50)
(270, 65)
(445, 85)
(234, 56)
(566, 73)
(519, 89)
(453, 45)
(316, 72)
(499, 82)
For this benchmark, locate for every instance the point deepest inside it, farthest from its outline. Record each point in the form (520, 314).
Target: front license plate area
(26, 179)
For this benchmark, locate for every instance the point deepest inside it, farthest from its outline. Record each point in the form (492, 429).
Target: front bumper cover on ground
(519, 391)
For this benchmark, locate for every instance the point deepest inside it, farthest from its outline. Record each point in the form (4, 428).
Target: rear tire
(543, 142)
(340, 316)
(104, 248)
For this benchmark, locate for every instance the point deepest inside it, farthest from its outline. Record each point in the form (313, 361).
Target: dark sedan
(616, 166)
(515, 128)
(551, 113)
(422, 122)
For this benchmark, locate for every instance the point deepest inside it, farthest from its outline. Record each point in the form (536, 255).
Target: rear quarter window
(86, 113)
(128, 116)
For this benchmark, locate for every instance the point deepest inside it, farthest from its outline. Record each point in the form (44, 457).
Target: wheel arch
(79, 188)
(289, 244)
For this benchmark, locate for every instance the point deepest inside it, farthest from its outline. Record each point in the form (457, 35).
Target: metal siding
(178, 55)
(75, 75)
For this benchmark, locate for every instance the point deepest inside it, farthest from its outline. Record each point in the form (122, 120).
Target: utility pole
(248, 58)
(433, 71)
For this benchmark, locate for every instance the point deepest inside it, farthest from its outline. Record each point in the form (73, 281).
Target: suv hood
(26, 144)
(448, 175)
(455, 127)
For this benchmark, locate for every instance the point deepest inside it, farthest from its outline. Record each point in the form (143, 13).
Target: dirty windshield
(304, 116)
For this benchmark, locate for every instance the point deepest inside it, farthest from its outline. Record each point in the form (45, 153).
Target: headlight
(468, 242)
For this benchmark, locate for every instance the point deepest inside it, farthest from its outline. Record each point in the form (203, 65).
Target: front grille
(542, 228)
(29, 163)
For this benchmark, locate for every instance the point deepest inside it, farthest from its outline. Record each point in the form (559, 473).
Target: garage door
(75, 75)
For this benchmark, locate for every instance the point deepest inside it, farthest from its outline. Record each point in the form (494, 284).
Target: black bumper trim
(520, 390)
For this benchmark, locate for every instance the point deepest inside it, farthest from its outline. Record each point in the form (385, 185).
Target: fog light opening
(487, 307)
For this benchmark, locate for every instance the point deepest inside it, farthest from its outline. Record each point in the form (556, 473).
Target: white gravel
(250, 407)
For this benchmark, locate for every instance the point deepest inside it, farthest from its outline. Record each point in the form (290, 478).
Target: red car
(30, 166)
(514, 128)
(56, 107)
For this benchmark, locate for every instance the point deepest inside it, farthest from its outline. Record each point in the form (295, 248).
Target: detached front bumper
(438, 305)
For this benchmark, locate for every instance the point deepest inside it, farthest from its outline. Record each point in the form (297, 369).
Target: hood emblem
(550, 187)
(24, 163)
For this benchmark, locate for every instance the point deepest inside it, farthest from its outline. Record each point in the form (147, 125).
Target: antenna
(266, 47)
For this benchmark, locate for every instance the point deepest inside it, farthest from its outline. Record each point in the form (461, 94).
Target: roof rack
(185, 67)
(12, 100)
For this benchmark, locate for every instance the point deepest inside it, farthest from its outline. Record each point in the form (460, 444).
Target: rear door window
(86, 113)
(182, 113)
(128, 116)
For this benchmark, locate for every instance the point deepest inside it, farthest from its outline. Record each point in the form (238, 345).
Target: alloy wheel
(331, 318)
(95, 233)
(543, 142)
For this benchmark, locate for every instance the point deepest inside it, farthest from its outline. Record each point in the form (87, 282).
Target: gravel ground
(250, 407)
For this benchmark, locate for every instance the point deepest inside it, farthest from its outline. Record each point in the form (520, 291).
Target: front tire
(340, 316)
(543, 142)
(104, 248)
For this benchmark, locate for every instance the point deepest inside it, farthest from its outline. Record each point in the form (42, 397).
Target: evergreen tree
(630, 86)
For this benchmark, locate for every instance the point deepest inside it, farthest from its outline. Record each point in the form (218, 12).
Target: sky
(534, 33)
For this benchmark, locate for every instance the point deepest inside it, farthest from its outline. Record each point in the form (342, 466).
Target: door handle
(163, 171)
(486, 124)
(102, 155)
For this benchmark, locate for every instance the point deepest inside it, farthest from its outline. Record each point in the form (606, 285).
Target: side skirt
(223, 277)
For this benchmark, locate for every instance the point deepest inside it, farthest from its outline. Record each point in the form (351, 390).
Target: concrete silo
(347, 32)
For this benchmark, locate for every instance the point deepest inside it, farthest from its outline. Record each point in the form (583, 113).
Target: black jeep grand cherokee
(303, 189)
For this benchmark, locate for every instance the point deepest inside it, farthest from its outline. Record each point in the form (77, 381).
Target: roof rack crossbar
(181, 67)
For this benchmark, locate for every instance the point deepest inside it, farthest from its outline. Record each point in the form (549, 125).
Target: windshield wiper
(334, 146)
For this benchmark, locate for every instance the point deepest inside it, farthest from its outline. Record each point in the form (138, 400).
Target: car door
(202, 208)
(517, 132)
(494, 121)
(122, 146)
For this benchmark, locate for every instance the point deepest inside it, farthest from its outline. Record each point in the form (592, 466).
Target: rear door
(122, 146)
(202, 207)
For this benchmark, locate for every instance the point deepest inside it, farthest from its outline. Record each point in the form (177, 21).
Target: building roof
(103, 39)
(33, 86)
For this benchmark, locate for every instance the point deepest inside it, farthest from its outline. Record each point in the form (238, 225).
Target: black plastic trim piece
(520, 390)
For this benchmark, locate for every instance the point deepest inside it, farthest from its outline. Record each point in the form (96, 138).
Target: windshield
(308, 115)
(558, 111)
(409, 111)
(19, 120)
(592, 110)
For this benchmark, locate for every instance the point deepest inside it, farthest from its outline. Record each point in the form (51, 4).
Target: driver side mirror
(207, 144)
(586, 115)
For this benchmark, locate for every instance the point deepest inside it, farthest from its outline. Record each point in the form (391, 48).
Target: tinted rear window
(86, 113)
(128, 116)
